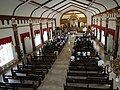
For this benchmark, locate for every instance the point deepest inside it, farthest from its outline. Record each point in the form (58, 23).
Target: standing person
(100, 65)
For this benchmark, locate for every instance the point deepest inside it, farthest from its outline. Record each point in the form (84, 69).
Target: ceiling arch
(72, 6)
(44, 8)
(75, 5)
(52, 7)
(39, 7)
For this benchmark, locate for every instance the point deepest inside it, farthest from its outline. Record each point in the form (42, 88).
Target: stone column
(91, 20)
(32, 36)
(52, 26)
(106, 34)
(47, 30)
(116, 37)
(96, 28)
(41, 31)
(100, 30)
(17, 44)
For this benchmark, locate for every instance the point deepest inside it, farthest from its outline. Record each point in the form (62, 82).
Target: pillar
(41, 31)
(106, 34)
(32, 36)
(91, 20)
(52, 26)
(17, 44)
(55, 27)
(116, 37)
(48, 31)
(96, 28)
(100, 30)
(55, 22)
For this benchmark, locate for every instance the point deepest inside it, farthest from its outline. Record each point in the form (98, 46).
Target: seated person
(72, 58)
(78, 53)
(100, 65)
(97, 56)
(88, 53)
(84, 53)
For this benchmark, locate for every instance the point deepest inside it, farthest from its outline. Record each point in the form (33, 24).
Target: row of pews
(30, 73)
(83, 73)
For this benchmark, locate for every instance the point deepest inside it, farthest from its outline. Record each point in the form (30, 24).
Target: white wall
(49, 24)
(7, 6)
(88, 14)
(104, 23)
(35, 27)
(37, 39)
(109, 42)
(58, 20)
(6, 33)
(112, 25)
(23, 30)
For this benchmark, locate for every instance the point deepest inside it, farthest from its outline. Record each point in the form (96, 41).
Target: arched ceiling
(50, 8)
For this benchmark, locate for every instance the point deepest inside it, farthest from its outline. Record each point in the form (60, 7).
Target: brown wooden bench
(82, 68)
(40, 61)
(83, 63)
(89, 81)
(36, 66)
(84, 88)
(15, 86)
(22, 78)
(32, 67)
(87, 74)
(28, 72)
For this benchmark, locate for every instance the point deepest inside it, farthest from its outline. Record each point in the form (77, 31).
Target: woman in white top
(100, 65)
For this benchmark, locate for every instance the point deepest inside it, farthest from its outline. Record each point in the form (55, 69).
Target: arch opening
(73, 21)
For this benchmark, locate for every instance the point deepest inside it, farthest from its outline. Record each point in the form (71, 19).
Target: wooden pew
(28, 72)
(84, 88)
(32, 67)
(15, 86)
(88, 75)
(22, 78)
(35, 66)
(89, 81)
(40, 61)
(82, 68)
(83, 63)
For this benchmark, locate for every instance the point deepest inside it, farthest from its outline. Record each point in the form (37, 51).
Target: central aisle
(56, 77)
